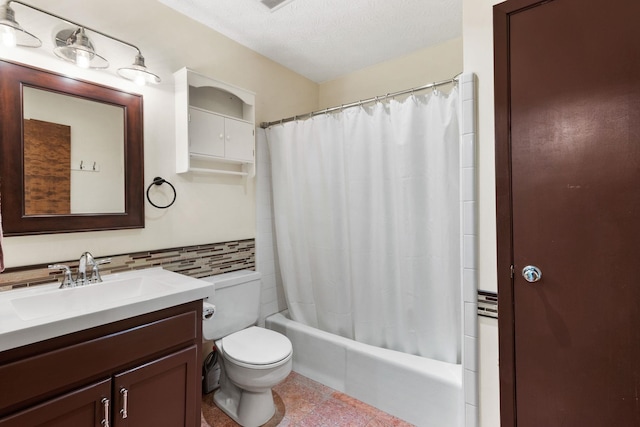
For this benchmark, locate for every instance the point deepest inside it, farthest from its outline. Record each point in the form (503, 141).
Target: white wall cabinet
(215, 126)
(206, 133)
(240, 140)
(214, 135)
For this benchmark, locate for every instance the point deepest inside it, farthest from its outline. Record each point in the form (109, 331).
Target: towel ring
(159, 181)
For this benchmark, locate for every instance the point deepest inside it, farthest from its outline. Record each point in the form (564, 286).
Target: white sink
(37, 313)
(87, 298)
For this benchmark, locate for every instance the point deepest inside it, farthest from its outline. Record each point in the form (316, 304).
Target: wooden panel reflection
(47, 168)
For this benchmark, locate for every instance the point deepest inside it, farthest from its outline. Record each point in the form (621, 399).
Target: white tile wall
(469, 274)
(273, 299)
(471, 354)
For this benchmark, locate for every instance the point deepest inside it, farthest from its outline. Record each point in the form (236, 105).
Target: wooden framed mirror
(71, 154)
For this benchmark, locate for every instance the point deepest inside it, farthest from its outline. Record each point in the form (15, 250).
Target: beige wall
(477, 34)
(208, 208)
(437, 63)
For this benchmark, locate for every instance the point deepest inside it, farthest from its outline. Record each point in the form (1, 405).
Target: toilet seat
(257, 348)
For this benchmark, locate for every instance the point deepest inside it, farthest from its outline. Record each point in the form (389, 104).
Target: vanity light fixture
(138, 72)
(72, 45)
(11, 33)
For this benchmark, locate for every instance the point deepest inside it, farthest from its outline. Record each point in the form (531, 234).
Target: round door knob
(531, 273)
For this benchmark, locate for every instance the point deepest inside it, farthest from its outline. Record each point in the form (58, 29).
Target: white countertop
(91, 307)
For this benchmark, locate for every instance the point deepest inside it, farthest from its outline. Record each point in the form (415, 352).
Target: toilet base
(245, 391)
(249, 409)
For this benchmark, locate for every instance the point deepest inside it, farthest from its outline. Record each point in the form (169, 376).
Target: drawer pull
(125, 397)
(105, 407)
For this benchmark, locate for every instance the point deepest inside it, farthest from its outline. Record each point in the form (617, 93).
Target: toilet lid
(257, 346)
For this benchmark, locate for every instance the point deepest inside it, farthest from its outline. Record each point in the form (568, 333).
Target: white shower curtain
(367, 220)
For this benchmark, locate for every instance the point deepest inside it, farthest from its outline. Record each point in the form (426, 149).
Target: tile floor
(302, 402)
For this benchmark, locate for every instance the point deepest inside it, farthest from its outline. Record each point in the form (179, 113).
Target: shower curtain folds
(366, 207)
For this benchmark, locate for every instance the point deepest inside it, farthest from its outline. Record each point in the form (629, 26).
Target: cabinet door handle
(125, 397)
(105, 407)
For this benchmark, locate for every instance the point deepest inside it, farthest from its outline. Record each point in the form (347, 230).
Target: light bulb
(83, 58)
(140, 80)
(8, 36)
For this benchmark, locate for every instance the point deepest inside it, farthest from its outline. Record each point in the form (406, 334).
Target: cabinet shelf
(219, 171)
(217, 165)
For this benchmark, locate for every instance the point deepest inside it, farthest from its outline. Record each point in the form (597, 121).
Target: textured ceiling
(324, 39)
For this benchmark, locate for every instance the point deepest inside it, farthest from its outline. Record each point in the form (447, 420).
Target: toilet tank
(237, 301)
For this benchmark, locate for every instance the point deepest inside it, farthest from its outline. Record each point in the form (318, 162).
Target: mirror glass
(71, 154)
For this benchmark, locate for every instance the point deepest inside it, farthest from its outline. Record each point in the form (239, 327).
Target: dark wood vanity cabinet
(159, 393)
(137, 372)
(81, 408)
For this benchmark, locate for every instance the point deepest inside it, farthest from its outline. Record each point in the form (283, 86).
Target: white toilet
(253, 359)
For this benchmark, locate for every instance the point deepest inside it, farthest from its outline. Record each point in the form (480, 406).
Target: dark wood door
(161, 393)
(81, 408)
(568, 188)
(47, 168)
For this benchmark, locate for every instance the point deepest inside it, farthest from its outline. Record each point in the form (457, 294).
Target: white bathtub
(422, 391)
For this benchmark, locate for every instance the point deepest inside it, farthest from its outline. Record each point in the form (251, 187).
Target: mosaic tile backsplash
(488, 304)
(195, 261)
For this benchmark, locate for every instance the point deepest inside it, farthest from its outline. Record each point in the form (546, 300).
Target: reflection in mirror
(73, 154)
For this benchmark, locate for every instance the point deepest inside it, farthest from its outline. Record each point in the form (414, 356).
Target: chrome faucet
(85, 258)
(81, 278)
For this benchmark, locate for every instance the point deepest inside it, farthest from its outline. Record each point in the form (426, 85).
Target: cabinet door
(86, 407)
(239, 144)
(161, 393)
(206, 133)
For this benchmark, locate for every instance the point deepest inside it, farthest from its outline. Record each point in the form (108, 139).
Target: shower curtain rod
(265, 125)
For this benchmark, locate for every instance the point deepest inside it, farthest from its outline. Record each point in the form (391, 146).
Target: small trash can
(211, 372)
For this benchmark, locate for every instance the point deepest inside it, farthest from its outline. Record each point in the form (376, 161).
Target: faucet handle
(68, 280)
(95, 274)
